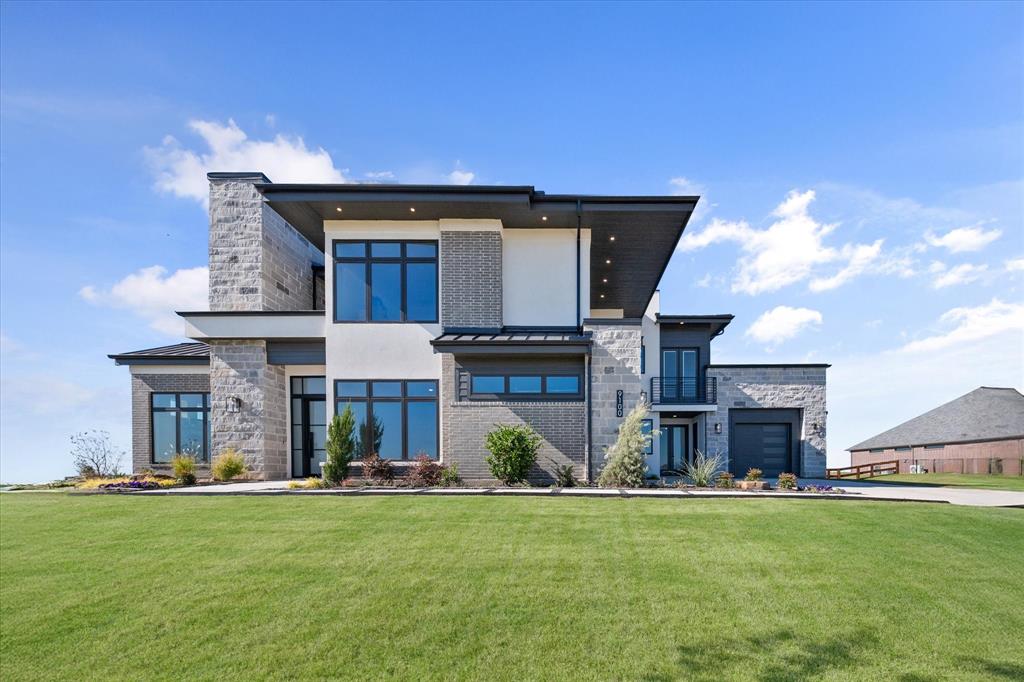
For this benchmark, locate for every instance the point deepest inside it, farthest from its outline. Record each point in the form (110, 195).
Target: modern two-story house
(436, 312)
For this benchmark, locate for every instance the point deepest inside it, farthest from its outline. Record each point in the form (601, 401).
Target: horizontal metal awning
(513, 343)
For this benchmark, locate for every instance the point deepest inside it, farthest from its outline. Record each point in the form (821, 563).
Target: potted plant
(753, 480)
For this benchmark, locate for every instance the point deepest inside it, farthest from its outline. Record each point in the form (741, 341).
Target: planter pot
(752, 485)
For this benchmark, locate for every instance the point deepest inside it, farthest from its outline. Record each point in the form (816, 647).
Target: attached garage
(766, 439)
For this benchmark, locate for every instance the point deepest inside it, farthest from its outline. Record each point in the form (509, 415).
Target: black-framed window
(643, 357)
(385, 281)
(522, 386)
(877, 450)
(396, 419)
(181, 425)
(904, 448)
(934, 447)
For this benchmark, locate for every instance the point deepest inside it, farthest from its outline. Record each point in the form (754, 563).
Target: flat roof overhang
(290, 325)
(513, 343)
(632, 237)
(718, 323)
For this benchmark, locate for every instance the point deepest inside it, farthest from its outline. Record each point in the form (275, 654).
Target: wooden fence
(864, 470)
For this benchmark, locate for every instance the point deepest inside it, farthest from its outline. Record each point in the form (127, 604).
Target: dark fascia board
(695, 318)
(815, 365)
(508, 348)
(625, 321)
(248, 313)
(157, 360)
(238, 175)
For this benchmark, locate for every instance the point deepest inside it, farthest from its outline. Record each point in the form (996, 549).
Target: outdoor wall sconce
(233, 404)
(718, 427)
(643, 396)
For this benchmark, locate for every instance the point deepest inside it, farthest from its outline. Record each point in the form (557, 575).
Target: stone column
(614, 366)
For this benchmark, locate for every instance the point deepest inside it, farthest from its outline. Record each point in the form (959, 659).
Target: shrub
(724, 480)
(564, 476)
(787, 482)
(513, 452)
(377, 469)
(425, 473)
(701, 471)
(340, 446)
(625, 461)
(184, 467)
(94, 455)
(227, 465)
(311, 483)
(753, 475)
(450, 475)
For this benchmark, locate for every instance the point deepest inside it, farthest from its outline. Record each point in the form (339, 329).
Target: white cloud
(155, 296)
(964, 325)
(1015, 264)
(960, 274)
(182, 171)
(460, 176)
(782, 323)
(684, 187)
(963, 239)
(380, 176)
(791, 250)
(705, 281)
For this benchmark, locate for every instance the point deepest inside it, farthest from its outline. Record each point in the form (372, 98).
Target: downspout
(589, 446)
(579, 218)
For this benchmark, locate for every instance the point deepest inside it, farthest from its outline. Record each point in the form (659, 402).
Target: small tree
(625, 461)
(513, 452)
(340, 446)
(94, 454)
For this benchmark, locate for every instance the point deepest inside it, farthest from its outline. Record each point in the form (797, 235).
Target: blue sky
(862, 168)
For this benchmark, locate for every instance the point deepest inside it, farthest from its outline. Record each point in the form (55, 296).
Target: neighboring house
(980, 432)
(436, 312)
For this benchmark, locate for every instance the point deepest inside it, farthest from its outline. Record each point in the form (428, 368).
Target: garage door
(761, 446)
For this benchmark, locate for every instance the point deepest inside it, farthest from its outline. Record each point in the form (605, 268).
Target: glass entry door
(679, 374)
(675, 449)
(309, 426)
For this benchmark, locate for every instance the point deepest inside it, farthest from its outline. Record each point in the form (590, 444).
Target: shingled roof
(986, 413)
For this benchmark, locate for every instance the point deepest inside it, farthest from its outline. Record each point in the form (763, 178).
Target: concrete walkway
(855, 490)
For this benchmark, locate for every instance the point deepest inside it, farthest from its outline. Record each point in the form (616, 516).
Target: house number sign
(618, 403)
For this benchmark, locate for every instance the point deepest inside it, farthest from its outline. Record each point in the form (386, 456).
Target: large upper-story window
(181, 425)
(385, 281)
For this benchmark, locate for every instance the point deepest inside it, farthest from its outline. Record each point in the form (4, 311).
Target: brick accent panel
(259, 429)
(774, 387)
(258, 261)
(143, 386)
(562, 425)
(471, 279)
(614, 366)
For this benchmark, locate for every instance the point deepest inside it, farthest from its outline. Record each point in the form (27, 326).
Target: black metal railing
(684, 391)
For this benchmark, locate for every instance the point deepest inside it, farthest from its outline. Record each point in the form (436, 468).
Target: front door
(309, 426)
(675, 451)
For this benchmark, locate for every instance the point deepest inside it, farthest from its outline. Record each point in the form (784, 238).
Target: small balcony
(684, 391)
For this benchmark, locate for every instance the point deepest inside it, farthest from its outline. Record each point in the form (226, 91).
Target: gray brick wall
(143, 386)
(797, 387)
(258, 261)
(562, 425)
(471, 279)
(258, 430)
(615, 366)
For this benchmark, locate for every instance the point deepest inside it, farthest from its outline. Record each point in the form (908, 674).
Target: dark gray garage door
(762, 446)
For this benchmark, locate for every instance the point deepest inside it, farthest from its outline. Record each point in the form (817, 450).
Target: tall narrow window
(181, 425)
(385, 281)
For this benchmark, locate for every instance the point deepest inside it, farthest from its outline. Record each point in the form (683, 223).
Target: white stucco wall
(539, 277)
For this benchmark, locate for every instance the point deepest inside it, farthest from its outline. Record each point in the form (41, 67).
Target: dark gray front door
(675, 451)
(762, 446)
(309, 425)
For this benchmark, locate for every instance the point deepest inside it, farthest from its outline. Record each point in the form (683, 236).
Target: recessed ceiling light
(612, 238)
(543, 217)
(412, 209)
(608, 261)
(602, 295)
(605, 280)
(339, 209)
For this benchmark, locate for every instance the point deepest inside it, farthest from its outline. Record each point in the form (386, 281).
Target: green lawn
(956, 480)
(107, 587)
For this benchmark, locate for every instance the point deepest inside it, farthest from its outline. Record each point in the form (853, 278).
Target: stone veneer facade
(465, 424)
(143, 386)
(471, 279)
(770, 386)
(614, 366)
(259, 429)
